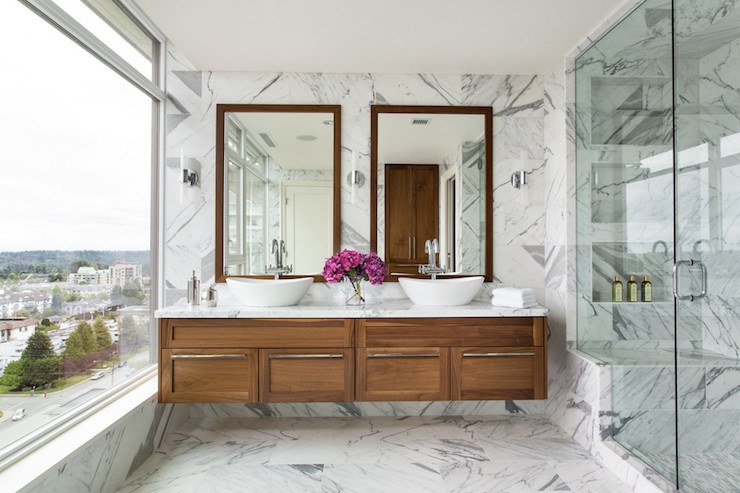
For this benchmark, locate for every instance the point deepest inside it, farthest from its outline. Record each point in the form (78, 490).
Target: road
(40, 410)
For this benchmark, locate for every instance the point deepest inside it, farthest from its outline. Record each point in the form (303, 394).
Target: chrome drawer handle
(208, 356)
(304, 356)
(403, 355)
(495, 355)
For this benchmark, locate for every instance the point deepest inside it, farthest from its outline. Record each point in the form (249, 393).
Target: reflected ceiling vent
(268, 140)
(421, 121)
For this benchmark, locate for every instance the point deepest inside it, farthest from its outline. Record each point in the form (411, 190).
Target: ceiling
(378, 36)
(302, 140)
(400, 142)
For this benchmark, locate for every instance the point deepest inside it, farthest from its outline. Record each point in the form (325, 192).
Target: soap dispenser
(617, 289)
(632, 289)
(194, 291)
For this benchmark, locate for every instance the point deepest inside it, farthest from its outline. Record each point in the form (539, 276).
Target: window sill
(21, 468)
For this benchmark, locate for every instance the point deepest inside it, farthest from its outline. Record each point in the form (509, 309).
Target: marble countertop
(331, 308)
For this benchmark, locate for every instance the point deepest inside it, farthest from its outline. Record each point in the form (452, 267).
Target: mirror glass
(431, 178)
(278, 190)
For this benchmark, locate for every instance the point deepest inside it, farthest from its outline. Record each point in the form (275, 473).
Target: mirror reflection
(279, 192)
(431, 172)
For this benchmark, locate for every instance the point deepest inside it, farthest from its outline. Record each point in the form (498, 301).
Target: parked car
(97, 375)
(123, 363)
(18, 414)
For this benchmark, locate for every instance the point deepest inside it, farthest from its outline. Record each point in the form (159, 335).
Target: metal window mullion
(79, 34)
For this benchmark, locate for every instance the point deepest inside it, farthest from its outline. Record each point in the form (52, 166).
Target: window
(77, 270)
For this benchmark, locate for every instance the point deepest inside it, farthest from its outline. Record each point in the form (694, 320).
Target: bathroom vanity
(326, 352)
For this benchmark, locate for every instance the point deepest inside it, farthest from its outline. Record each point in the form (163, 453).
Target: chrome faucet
(431, 247)
(278, 249)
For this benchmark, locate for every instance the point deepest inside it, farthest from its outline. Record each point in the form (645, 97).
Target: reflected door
(307, 225)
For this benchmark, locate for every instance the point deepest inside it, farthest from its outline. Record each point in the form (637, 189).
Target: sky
(75, 144)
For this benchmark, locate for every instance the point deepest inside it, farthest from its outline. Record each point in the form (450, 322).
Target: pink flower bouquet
(355, 267)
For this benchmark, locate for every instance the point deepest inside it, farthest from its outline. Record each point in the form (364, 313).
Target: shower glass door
(707, 177)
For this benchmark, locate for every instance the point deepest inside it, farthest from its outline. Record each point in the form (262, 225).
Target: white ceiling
(400, 142)
(378, 36)
(290, 152)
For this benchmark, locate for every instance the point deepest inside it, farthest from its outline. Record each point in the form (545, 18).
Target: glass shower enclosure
(658, 198)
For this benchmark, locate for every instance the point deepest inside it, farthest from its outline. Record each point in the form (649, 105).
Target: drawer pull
(403, 355)
(208, 356)
(494, 355)
(304, 356)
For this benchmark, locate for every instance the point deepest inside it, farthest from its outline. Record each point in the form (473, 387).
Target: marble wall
(517, 102)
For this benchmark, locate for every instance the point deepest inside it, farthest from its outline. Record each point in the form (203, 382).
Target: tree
(80, 263)
(81, 342)
(39, 346)
(102, 335)
(56, 300)
(13, 375)
(39, 363)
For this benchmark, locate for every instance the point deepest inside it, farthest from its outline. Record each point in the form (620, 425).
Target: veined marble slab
(400, 308)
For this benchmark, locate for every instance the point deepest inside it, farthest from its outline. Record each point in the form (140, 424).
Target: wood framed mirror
(431, 177)
(278, 171)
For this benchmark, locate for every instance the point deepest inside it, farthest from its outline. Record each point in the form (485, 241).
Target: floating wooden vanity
(352, 359)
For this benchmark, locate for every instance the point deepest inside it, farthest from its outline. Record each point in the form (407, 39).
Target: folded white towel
(513, 292)
(512, 303)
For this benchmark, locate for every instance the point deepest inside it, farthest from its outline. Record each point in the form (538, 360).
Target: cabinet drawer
(498, 373)
(208, 375)
(435, 332)
(403, 374)
(307, 375)
(256, 333)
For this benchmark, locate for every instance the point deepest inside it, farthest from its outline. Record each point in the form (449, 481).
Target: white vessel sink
(269, 292)
(441, 292)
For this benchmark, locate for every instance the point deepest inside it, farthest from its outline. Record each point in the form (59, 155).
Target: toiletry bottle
(632, 289)
(617, 289)
(647, 289)
(194, 291)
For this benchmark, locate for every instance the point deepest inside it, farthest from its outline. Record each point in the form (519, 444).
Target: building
(90, 275)
(122, 273)
(17, 329)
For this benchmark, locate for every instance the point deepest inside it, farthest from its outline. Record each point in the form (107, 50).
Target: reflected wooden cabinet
(342, 360)
(411, 214)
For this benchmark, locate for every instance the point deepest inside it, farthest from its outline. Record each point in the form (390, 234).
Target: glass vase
(353, 289)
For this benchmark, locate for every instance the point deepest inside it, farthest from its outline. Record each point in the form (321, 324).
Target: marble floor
(378, 454)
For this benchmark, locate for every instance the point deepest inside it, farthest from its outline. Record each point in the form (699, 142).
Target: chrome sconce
(518, 179)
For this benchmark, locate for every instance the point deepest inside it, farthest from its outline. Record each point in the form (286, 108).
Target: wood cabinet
(342, 360)
(208, 375)
(307, 375)
(403, 374)
(411, 214)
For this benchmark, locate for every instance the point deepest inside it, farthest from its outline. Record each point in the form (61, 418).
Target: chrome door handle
(403, 355)
(208, 356)
(304, 356)
(704, 275)
(495, 355)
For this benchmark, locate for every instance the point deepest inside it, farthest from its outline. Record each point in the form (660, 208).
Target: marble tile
(430, 451)
(524, 476)
(382, 478)
(588, 476)
(503, 429)
(523, 449)
(329, 449)
(297, 478)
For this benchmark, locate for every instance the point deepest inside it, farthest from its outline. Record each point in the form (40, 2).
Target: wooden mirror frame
(221, 110)
(487, 112)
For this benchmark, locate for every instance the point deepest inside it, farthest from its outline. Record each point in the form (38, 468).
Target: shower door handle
(690, 263)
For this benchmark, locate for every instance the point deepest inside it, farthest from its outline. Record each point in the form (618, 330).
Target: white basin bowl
(441, 292)
(269, 292)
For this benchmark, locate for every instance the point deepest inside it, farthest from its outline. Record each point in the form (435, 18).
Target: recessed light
(307, 138)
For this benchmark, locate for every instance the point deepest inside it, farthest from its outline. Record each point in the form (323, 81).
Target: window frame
(48, 11)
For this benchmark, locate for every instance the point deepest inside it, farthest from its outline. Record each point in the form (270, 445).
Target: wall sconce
(518, 179)
(190, 177)
(355, 179)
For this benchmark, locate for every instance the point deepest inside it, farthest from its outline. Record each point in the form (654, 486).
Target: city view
(72, 324)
